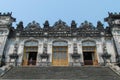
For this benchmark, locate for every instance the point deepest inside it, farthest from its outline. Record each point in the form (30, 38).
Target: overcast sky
(66, 10)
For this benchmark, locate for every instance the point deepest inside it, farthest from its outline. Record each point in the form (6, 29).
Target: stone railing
(114, 67)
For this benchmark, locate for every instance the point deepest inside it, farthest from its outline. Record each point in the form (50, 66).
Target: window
(31, 43)
(88, 43)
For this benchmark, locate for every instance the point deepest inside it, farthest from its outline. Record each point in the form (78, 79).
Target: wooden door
(60, 56)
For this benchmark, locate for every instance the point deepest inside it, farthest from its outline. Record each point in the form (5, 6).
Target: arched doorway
(60, 53)
(30, 53)
(89, 53)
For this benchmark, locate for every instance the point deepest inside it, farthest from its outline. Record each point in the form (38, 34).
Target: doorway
(90, 55)
(60, 53)
(60, 57)
(30, 52)
(32, 58)
(88, 58)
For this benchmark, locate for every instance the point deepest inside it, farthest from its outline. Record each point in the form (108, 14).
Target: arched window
(60, 43)
(88, 43)
(31, 43)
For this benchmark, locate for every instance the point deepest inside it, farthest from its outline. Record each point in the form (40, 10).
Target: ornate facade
(60, 44)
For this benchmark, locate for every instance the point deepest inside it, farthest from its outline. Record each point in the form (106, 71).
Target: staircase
(81, 73)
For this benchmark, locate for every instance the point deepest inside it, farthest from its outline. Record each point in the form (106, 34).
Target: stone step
(84, 73)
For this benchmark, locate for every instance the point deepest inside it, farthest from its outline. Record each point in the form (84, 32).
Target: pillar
(40, 51)
(49, 51)
(20, 53)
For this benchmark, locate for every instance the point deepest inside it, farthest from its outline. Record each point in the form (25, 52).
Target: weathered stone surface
(81, 73)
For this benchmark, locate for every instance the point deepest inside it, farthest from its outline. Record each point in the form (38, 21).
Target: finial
(73, 22)
(115, 13)
(46, 24)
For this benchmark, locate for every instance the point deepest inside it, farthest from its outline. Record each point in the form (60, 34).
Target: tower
(114, 23)
(5, 24)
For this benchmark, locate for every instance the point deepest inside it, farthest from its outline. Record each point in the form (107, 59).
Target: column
(99, 52)
(40, 51)
(70, 51)
(49, 51)
(80, 52)
(20, 53)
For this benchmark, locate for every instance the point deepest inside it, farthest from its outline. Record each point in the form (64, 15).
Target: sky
(53, 10)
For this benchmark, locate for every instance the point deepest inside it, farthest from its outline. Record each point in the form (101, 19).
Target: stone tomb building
(60, 44)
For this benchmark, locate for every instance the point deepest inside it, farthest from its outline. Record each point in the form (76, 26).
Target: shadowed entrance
(32, 58)
(30, 53)
(89, 53)
(88, 58)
